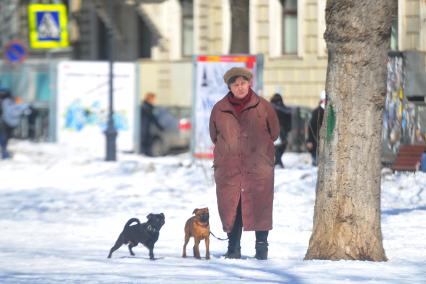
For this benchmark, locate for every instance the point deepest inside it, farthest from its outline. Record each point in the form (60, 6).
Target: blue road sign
(48, 25)
(15, 51)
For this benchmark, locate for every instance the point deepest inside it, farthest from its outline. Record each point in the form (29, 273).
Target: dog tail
(131, 221)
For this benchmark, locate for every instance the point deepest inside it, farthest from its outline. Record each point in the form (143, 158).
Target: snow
(62, 208)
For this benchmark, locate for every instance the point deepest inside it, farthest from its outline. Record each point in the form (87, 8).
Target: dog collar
(151, 228)
(203, 224)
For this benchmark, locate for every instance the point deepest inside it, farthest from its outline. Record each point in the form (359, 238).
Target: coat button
(242, 189)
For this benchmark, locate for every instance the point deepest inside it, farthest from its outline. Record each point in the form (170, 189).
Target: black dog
(145, 233)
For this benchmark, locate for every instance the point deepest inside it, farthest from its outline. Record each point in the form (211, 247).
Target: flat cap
(237, 71)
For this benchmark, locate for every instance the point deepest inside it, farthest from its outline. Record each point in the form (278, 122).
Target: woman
(148, 120)
(243, 127)
(314, 129)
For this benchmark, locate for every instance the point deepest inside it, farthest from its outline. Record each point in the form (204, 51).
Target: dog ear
(195, 211)
(149, 216)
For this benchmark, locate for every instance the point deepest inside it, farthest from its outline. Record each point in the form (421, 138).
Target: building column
(422, 37)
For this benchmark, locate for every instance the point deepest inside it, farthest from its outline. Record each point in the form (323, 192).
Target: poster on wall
(83, 103)
(402, 118)
(210, 88)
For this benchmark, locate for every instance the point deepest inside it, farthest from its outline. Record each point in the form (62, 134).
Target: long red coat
(244, 161)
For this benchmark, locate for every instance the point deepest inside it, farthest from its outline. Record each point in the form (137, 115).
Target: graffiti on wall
(401, 123)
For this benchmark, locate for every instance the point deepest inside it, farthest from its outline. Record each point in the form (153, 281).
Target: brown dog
(198, 227)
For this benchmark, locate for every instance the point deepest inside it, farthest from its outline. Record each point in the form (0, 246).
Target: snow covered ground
(62, 208)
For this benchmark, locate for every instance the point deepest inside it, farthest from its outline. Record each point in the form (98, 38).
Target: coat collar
(226, 106)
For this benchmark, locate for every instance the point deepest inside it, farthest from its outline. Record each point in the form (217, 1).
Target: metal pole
(111, 132)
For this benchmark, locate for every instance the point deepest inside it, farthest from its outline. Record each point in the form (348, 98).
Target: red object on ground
(408, 158)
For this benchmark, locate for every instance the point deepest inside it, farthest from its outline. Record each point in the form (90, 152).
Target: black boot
(234, 237)
(261, 245)
(261, 250)
(234, 248)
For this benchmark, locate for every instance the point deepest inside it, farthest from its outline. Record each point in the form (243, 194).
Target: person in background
(10, 117)
(284, 117)
(314, 128)
(148, 120)
(32, 118)
(243, 127)
(422, 165)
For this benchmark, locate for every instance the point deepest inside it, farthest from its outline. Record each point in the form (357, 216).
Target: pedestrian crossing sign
(47, 26)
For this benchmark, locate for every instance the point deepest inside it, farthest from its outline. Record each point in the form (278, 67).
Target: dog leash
(218, 238)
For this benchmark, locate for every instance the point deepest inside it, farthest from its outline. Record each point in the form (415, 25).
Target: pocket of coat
(218, 172)
(270, 154)
(224, 176)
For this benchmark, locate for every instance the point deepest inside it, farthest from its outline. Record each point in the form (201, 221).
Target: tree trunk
(240, 26)
(347, 207)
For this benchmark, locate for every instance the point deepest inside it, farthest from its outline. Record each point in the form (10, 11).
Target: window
(103, 45)
(394, 33)
(145, 38)
(321, 44)
(289, 26)
(187, 27)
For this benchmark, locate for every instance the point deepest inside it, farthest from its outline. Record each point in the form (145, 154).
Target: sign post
(111, 132)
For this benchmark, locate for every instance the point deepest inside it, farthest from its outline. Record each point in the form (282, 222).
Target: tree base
(346, 253)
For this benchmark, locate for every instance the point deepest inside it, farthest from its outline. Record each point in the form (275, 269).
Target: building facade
(288, 33)
(163, 35)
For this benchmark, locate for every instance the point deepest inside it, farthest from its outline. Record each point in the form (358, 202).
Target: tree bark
(347, 207)
(240, 26)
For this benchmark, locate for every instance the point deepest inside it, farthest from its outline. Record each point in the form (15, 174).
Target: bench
(408, 158)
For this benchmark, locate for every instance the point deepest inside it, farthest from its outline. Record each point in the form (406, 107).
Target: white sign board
(83, 103)
(209, 89)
